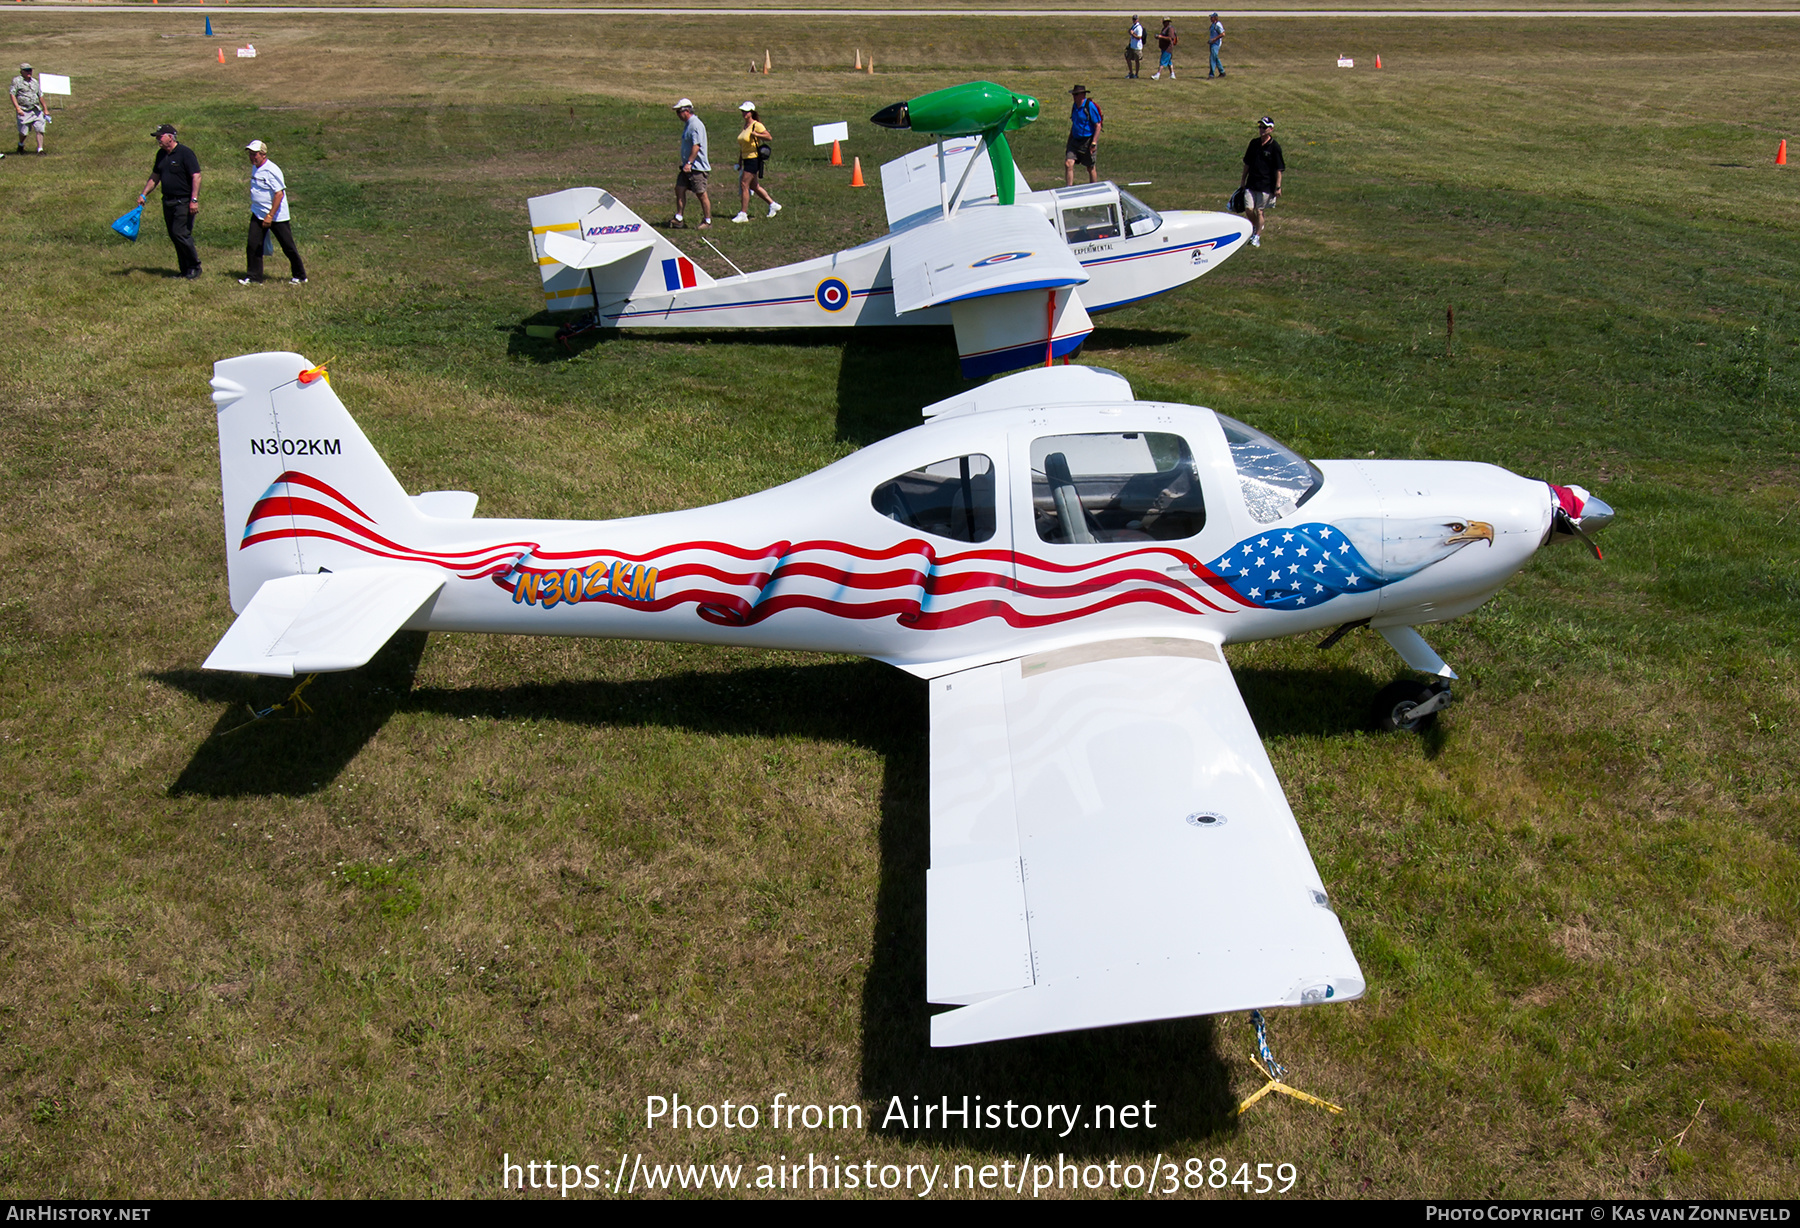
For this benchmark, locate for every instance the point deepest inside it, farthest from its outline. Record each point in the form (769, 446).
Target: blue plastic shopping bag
(128, 225)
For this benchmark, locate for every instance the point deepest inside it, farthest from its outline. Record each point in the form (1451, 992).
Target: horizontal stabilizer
(325, 621)
(579, 255)
(1109, 844)
(1001, 250)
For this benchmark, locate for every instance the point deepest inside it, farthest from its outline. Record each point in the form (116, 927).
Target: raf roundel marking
(1206, 818)
(999, 258)
(832, 295)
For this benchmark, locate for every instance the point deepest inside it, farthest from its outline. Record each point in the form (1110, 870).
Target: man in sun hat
(1215, 40)
(694, 166)
(269, 215)
(178, 170)
(28, 101)
(1085, 121)
(1263, 169)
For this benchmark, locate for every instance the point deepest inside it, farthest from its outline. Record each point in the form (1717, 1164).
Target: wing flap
(980, 252)
(322, 622)
(1162, 871)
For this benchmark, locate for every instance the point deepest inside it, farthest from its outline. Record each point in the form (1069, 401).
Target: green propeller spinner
(979, 108)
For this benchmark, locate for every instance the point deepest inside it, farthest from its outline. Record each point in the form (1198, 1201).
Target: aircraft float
(1017, 273)
(1066, 566)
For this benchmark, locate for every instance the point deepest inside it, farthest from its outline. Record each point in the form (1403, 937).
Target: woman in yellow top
(751, 163)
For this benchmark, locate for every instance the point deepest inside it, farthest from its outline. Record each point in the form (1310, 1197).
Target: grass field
(493, 893)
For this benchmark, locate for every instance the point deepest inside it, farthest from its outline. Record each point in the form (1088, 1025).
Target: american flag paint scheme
(1064, 563)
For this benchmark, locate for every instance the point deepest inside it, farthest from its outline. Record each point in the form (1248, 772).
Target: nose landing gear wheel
(1395, 707)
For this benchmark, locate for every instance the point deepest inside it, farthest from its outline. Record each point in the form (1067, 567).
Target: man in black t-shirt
(1263, 167)
(178, 170)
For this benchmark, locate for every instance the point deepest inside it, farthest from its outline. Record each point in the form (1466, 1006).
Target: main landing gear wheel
(1410, 706)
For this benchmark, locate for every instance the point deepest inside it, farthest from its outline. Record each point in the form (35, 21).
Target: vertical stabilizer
(297, 472)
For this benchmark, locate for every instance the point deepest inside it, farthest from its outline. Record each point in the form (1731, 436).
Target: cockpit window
(1140, 219)
(1090, 223)
(1132, 486)
(949, 498)
(1275, 478)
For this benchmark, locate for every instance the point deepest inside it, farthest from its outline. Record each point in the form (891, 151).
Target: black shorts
(1081, 149)
(752, 166)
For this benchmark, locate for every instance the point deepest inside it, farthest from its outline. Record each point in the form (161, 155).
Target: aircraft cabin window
(1134, 486)
(1140, 219)
(949, 498)
(1275, 478)
(1090, 223)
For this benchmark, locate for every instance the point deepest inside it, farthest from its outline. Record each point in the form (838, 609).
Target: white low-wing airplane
(1017, 281)
(1064, 564)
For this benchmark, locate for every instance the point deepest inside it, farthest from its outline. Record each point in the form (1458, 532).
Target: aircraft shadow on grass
(884, 376)
(1176, 1065)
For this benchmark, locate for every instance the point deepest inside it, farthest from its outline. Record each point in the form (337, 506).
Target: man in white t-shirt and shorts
(269, 215)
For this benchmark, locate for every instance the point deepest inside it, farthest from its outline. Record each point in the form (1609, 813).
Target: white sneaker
(296, 281)
(774, 207)
(741, 217)
(245, 281)
(1156, 76)
(1171, 74)
(1255, 240)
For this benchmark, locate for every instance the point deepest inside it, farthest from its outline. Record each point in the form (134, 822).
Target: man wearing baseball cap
(1263, 169)
(28, 101)
(178, 170)
(268, 215)
(694, 166)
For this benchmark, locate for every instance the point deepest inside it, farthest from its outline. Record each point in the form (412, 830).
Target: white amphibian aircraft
(1016, 273)
(1064, 564)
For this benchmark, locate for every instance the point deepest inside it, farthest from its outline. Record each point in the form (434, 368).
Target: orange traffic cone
(837, 155)
(871, 63)
(221, 55)
(859, 59)
(1378, 61)
(856, 179)
(765, 63)
(1781, 154)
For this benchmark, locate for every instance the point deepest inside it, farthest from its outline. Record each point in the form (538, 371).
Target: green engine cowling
(979, 108)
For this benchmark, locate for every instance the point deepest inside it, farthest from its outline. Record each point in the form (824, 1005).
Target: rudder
(297, 473)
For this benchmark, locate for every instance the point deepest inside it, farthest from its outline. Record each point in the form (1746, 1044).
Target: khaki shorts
(1260, 200)
(29, 121)
(693, 181)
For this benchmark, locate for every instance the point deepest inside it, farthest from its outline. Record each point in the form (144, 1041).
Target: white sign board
(53, 84)
(824, 134)
(1346, 63)
(247, 53)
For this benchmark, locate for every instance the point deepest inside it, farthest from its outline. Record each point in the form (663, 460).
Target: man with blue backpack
(1085, 120)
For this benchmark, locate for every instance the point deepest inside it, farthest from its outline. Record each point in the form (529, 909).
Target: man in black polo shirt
(1263, 167)
(178, 170)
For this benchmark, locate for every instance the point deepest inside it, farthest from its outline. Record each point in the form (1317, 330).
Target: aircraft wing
(325, 621)
(979, 252)
(909, 185)
(1109, 844)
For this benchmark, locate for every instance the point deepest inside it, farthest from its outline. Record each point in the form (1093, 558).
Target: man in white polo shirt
(269, 214)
